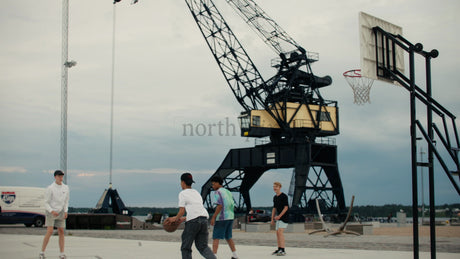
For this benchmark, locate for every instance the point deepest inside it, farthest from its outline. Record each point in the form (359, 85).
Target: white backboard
(367, 45)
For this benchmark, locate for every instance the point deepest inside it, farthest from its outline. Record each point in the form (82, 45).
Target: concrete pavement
(14, 246)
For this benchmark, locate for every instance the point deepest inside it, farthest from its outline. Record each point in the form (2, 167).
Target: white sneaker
(62, 256)
(41, 255)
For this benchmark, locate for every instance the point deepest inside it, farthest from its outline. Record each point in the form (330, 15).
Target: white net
(361, 86)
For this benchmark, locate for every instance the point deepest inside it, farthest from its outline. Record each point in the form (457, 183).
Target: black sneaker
(281, 253)
(276, 252)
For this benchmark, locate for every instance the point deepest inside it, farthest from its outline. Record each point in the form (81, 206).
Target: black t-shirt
(279, 202)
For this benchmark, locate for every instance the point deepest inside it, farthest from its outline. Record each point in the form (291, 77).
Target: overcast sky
(165, 77)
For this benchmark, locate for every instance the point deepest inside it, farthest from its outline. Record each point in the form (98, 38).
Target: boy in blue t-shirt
(222, 220)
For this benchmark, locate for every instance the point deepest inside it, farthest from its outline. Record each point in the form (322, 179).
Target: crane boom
(267, 28)
(238, 69)
(270, 32)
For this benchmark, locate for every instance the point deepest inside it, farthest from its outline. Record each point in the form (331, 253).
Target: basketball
(170, 226)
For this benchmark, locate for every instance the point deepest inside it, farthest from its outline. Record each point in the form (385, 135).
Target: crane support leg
(302, 166)
(317, 175)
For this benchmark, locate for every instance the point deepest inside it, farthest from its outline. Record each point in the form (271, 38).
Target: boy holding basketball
(196, 222)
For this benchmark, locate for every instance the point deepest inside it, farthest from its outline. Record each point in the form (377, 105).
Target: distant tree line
(446, 210)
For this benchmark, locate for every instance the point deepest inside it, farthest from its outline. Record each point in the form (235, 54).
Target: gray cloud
(166, 77)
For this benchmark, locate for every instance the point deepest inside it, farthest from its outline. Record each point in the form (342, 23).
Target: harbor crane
(286, 108)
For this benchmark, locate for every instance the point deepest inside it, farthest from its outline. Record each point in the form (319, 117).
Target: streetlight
(66, 64)
(70, 63)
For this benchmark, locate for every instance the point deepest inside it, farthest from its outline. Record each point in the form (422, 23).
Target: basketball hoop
(361, 86)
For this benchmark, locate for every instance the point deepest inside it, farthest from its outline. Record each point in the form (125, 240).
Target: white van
(22, 205)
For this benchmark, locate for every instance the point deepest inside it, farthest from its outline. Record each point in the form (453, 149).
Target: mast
(65, 65)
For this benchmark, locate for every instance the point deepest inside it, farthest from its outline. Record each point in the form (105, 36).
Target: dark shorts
(223, 229)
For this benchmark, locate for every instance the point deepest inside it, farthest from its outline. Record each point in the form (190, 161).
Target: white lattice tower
(65, 65)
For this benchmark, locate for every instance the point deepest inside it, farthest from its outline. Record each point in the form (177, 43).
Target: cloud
(85, 174)
(159, 171)
(165, 77)
(154, 171)
(12, 169)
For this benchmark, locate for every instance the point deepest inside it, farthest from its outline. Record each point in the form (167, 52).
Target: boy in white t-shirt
(196, 222)
(57, 206)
